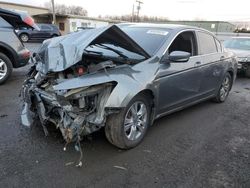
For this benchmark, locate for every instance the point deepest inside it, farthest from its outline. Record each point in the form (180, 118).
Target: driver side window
(186, 42)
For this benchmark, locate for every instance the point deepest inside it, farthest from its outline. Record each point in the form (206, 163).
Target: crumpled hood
(60, 53)
(240, 53)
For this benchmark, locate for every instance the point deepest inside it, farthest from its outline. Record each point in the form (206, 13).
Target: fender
(11, 53)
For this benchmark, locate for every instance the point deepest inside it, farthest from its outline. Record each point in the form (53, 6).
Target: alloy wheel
(24, 38)
(3, 69)
(225, 87)
(135, 121)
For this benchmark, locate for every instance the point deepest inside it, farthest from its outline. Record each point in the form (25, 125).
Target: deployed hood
(240, 53)
(61, 53)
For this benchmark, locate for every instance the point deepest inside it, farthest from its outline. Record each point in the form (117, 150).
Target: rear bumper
(22, 62)
(22, 58)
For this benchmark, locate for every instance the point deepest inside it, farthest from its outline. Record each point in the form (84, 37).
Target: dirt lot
(207, 145)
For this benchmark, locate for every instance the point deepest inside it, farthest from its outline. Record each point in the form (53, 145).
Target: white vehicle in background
(241, 47)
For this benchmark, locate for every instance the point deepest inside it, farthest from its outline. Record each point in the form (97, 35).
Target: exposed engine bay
(76, 112)
(74, 106)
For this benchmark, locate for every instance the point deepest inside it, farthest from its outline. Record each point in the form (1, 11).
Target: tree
(142, 18)
(64, 9)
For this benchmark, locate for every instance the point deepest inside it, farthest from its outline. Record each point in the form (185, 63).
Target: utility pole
(53, 12)
(138, 9)
(133, 13)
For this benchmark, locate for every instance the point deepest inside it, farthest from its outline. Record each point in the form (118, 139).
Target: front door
(180, 82)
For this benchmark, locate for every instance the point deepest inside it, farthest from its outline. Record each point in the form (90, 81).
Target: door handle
(197, 63)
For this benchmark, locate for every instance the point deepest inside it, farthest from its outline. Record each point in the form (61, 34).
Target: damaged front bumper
(76, 112)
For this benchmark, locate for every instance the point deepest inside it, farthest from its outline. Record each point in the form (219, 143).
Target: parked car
(13, 54)
(123, 77)
(241, 47)
(46, 31)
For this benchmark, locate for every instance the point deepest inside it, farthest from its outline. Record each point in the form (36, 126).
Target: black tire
(24, 37)
(222, 98)
(115, 128)
(247, 72)
(8, 66)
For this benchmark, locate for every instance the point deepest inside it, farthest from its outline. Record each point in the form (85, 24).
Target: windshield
(240, 43)
(150, 39)
(116, 45)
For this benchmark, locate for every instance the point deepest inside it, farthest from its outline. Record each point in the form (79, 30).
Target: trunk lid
(17, 19)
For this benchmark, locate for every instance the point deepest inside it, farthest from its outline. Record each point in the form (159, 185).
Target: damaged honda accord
(123, 77)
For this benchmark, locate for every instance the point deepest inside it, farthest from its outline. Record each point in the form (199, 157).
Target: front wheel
(127, 128)
(224, 89)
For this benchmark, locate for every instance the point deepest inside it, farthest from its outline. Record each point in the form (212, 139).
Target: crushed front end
(75, 112)
(73, 78)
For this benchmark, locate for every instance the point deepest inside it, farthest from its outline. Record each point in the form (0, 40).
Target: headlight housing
(241, 59)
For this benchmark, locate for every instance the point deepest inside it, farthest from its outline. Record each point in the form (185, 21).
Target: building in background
(31, 10)
(213, 26)
(66, 23)
(70, 23)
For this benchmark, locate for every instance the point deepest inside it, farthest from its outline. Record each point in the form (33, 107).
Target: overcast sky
(232, 10)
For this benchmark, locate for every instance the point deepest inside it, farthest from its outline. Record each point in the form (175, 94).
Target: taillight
(81, 71)
(29, 21)
(26, 54)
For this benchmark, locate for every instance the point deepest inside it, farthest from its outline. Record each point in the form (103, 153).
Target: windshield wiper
(103, 46)
(93, 52)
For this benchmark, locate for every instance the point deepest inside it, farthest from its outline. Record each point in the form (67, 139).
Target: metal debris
(120, 167)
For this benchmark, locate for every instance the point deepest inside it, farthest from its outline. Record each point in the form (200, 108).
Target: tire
(225, 88)
(24, 37)
(5, 68)
(247, 72)
(115, 124)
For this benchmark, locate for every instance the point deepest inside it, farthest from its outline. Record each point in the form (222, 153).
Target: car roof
(156, 25)
(240, 37)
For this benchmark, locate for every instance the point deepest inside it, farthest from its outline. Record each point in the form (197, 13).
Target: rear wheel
(224, 89)
(24, 37)
(5, 68)
(127, 128)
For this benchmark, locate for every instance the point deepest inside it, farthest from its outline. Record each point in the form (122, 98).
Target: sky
(221, 10)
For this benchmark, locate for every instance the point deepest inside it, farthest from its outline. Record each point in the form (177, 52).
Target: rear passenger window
(44, 27)
(206, 43)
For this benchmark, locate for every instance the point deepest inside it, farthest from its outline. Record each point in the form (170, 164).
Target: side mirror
(176, 56)
(179, 56)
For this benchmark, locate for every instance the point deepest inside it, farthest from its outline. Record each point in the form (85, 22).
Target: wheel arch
(26, 33)
(233, 75)
(10, 53)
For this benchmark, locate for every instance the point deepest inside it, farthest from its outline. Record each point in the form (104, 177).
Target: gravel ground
(207, 145)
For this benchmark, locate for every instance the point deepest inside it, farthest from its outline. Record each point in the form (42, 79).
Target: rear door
(211, 63)
(43, 33)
